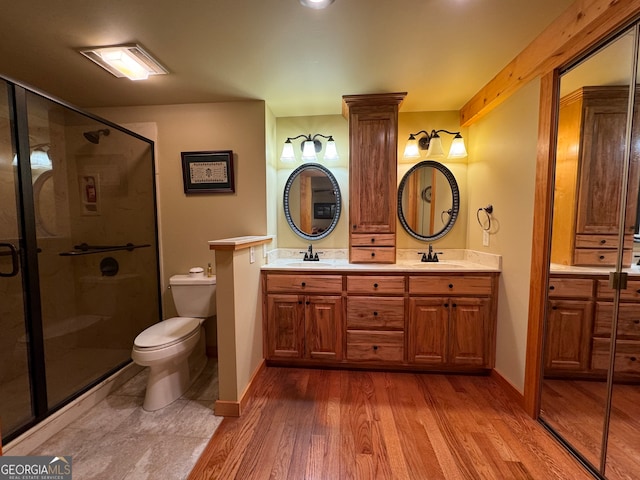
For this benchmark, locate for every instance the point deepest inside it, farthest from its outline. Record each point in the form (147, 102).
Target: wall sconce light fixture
(432, 143)
(130, 61)
(310, 147)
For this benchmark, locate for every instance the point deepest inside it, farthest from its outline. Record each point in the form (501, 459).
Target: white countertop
(463, 261)
(633, 270)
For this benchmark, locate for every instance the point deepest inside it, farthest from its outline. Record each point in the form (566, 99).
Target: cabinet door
(469, 333)
(428, 330)
(569, 325)
(373, 170)
(285, 326)
(602, 168)
(323, 338)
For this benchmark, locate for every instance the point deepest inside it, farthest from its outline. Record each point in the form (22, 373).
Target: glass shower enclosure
(79, 264)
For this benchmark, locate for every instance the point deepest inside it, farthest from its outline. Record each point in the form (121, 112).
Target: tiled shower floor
(117, 439)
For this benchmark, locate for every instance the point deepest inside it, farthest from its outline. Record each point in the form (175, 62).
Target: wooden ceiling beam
(584, 24)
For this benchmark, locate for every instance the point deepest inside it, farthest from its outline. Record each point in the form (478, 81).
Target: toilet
(174, 349)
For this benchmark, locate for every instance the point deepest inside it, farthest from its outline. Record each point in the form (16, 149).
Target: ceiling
(300, 61)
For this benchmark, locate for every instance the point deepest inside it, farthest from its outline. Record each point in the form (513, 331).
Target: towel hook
(488, 210)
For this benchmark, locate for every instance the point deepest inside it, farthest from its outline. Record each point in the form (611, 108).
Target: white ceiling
(300, 61)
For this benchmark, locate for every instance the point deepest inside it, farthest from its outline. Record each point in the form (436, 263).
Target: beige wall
(189, 221)
(412, 122)
(337, 126)
(502, 160)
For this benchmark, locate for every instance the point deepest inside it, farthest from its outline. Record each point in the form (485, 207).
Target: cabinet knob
(375, 347)
(638, 291)
(373, 254)
(373, 240)
(601, 257)
(554, 308)
(633, 359)
(603, 241)
(299, 302)
(454, 305)
(355, 226)
(304, 284)
(375, 285)
(375, 314)
(551, 287)
(636, 322)
(451, 285)
(446, 304)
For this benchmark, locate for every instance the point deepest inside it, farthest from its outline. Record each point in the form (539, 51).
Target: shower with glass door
(79, 263)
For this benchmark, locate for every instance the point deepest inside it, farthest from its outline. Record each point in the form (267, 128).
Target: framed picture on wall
(208, 172)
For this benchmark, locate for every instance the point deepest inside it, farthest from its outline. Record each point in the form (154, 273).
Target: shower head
(94, 136)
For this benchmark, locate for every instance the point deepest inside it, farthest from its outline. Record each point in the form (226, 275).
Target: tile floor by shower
(117, 439)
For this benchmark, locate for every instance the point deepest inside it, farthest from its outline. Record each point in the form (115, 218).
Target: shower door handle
(15, 261)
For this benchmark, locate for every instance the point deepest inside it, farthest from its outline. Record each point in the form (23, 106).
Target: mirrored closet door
(590, 395)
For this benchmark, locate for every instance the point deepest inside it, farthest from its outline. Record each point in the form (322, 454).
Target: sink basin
(301, 264)
(436, 265)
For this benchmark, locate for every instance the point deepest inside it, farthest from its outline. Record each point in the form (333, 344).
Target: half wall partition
(79, 263)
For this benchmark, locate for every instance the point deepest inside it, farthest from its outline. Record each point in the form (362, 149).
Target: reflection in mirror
(590, 199)
(312, 201)
(428, 201)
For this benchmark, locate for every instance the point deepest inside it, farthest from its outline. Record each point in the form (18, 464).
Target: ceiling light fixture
(432, 143)
(316, 4)
(310, 147)
(130, 61)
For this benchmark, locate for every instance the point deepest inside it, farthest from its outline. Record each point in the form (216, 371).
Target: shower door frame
(28, 252)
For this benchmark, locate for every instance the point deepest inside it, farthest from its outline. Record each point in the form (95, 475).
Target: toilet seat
(167, 332)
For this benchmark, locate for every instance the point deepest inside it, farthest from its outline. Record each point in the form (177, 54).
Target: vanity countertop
(460, 261)
(556, 268)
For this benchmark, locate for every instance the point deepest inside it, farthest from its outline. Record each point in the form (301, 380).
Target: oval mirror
(312, 201)
(428, 201)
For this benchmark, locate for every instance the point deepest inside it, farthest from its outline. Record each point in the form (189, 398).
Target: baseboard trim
(227, 408)
(508, 387)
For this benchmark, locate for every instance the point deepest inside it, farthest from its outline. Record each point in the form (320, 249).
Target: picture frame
(208, 172)
(323, 211)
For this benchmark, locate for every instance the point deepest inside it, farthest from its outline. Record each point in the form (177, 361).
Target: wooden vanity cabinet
(395, 321)
(375, 318)
(627, 361)
(569, 326)
(304, 317)
(452, 321)
(373, 147)
(588, 183)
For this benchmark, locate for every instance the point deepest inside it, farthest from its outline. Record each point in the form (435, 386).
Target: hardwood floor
(335, 424)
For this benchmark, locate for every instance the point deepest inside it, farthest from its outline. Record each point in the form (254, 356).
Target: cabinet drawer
(304, 283)
(627, 356)
(570, 287)
(597, 241)
(629, 294)
(437, 285)
(375, 313)
(602, 257)
(373, 254)
(375, 346)
(373, 240)
(628, 319)
(375, 284)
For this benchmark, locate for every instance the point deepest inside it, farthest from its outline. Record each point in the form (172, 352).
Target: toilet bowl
(174, 349)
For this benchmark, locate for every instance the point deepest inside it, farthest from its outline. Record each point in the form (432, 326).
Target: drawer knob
(299, 302)
(373, 254)
(551, 287)
(454, 305)
(446, 304)
(375, 285)
(304, 284)
(638, 291)
(601, 257)
(373, 240)
(375, 314)
(554, 308)
(636, 322)
(307, 302)
(375, 347)
(633, 359)
(603, 241)
(451, 285)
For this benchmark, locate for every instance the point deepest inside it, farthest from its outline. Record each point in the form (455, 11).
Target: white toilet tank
(194, 295)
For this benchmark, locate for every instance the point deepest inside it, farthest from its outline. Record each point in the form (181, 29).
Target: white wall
(501, 172)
